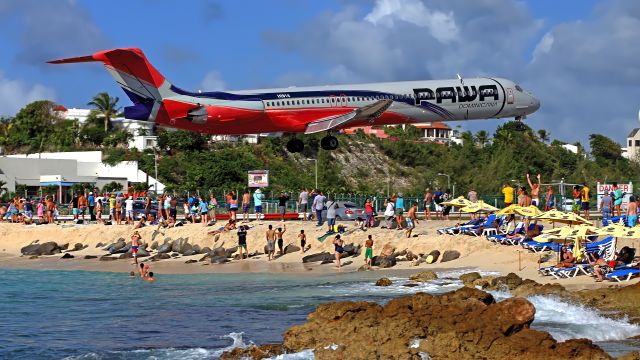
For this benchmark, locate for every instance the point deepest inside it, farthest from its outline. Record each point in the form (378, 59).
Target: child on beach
(412, 219)
(135, 238)
(40, 210)
(303, 240)
(242, 241)
(271, 242)
(150, 277)
(279, 234)
(368, 251)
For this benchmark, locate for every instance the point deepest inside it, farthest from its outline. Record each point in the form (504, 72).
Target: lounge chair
(615, 220)
(538, 247)
(456, 229)
(520, 240)
(622, 274)
(519, 229)
(474, 230)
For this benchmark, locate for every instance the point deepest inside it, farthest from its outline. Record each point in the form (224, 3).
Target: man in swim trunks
(279, 234)
(135, 244)
(632, 212)
(271, 242)
(368, 251)
(339, 250)
(584, 198)
(535, 190)
(246, 203)
(303, 240)
(242, 241)
(412, 219)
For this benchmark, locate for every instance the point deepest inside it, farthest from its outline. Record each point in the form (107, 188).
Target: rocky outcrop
(423, 276)
(164, 248)
(384, 282)
(318, 257)
(464, 324)
(387, 250)
(88, 257)
(383, 261)
(47, 248)
(468, 279)
(450, 255)
(254, 352)
(619, 299)
(291, 248)
(161, 256)
(67, 256)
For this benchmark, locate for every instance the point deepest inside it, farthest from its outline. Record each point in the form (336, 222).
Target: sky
(581, 58)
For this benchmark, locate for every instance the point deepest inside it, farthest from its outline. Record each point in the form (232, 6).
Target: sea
(47, 314)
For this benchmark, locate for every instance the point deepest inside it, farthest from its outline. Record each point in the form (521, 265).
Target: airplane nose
(535, 104)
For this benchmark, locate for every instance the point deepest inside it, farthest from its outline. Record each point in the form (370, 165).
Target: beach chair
(519, 229)
(615, 220)
(518, 241)
(456, 229)
(539, 247)
(474, 230)
(605, 248)
(622, 274)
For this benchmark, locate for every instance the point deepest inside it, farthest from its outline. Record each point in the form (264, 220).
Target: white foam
(302, 355)
(238, 342)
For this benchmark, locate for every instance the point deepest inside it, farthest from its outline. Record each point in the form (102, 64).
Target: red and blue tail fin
(142, 83)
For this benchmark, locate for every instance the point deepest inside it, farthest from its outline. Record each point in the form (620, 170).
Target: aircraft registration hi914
(306, 109)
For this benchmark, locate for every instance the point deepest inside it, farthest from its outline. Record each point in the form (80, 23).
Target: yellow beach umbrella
(557, 216)
(629, 233)
(573, 231)
(529, 211)
(611, 230)
(478, 206)
(458, 202)
(509, 210)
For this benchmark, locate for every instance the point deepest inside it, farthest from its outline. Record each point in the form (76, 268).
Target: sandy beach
(476, 252)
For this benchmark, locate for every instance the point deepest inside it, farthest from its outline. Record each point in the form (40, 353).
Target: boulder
(67, 256)
(87, 257)
(387, 250)
(383, 282)
(154, 245)
(108, 258)
(142, 252)
(411, 256)
(318, 257)
(510, 282)
(164, 248)
(205, 257)
(291, 248)
(64, 246)
(174, 254)
(450, 255)
(167, 240)
(432, 257)
(205, 250)
(77, 247)
(410, 285)
(400, 253)
(191, 261)
(469, 278)
(117, 247)
(187, 249)
(219, 259)
(196, 249)
(127, 255)
(178, 244)
(219, 251)
(31, 250)
(418, 261)
(386, 262)
(465, 324)
(99, 245)
(32, 257)
(49, 248)
(424, 276)
(268, 351)
(351, 250)
(531, 288)
(326, 261)
(160, 256)
(229, 252)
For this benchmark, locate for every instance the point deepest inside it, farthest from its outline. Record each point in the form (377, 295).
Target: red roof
(59, 108)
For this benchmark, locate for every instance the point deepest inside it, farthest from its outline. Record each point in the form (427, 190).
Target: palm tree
(482, 137)
(543, 135)
(107, 106)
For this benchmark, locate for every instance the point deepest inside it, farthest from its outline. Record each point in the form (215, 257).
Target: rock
(49, 248)
(32, 249)
(411, 256)
(229, 252)
(410, 285)
(33, 257)
(99, 245)
(363, 268)
(205, 250)
(450, 255)
(291, 248)
(484, 283)
(219, 251)
(161, 256)
(326, 261)
(469, 278)
(189, 252)
(77, 247)
(142, 252)
(400, 253)
(64, 246)
(432, 257)
(107, 258)
(174, 254)
(154, 245)
(117, 246)
(511, 281)
(155, 234)
(418, 261)
(127, 255)
(618, 299)
(187, 249)
(67, 256)
(196, 249)
(387, 262)
(424, 276)
(383, 282)
(191, 261)
(349, 250)
(254, 352)
(205, 257)
(164, 248)
(167, 240)
(630, 356)
(87, 257)
(387, 250)
(178, 244)
(465, 324)
(318, 257)
(530, 288)
(219, 259)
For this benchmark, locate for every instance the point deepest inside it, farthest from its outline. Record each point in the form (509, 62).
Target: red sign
(624, 187)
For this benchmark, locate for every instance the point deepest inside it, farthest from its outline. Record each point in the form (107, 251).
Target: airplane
(306, 110)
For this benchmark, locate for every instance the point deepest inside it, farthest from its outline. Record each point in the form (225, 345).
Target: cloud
(53, 29)
(15, 94)
(213, 81)
(586, 73)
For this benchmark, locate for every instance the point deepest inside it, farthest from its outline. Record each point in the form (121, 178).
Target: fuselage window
(333, 100)
(288, 103)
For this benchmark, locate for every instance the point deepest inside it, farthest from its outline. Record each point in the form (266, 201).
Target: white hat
(90, 193)
(258, 191)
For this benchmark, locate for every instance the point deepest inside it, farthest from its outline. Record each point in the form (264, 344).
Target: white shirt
(389, 210)
(128, 204)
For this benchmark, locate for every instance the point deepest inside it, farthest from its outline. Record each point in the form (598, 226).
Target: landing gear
(329, 143)
(295, 146)
(519, 125)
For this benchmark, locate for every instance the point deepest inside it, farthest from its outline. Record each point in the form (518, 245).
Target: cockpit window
(519, 88)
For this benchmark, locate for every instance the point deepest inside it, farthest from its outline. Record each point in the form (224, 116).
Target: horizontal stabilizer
(79, 59)
(369, 113)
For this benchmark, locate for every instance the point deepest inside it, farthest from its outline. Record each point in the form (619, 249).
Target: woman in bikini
(338, 243)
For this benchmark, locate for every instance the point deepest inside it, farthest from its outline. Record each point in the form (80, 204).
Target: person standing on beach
(280, 235)
(91, 201)
(428, 199)
(412, 219)
(258, 196)
(246, 204)
(51, 209)
(617, 198)
(632, 212)
(303, 201)
(303, 240)
(535, 191)
(74, 206)
(40, 210)
(437, 199)
(213, 204)
(447, 209)
(549, 202)
(271, 242)
(129, 211)
(338, 243)
(507, 192)
(135, 244)
(368, 212)
(204, 211)
(606, 204)
(119, 201)
(399, 210)
(332, 205)
(585, 197)
(282, 204)
(112, 208)
(173, 209)
(98, 209)
(472, 196)
(82, 204)
(318, 206)
(242, 241)
(368, 251)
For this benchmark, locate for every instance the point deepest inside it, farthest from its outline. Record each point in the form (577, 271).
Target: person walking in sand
(368, 251)
(318, 206)
(128, 205)
(40, 210)
(303, 241)
(368, 212)
(280, 234)
(271, 242)
(135, 244)
(338, 244)
(399, 209)
(213, 204)
(617, 199)
(242, 241)
(412, 219)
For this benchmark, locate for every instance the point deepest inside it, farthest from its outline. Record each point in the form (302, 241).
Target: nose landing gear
(295, 145)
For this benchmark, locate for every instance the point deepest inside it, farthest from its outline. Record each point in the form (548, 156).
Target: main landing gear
(519, 125)
(328, 142)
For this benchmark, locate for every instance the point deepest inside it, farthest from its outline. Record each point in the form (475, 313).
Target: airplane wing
(368, 112)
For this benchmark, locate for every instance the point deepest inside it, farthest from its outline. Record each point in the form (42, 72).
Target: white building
(143, 132)
(633, 145)
(570, 148)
